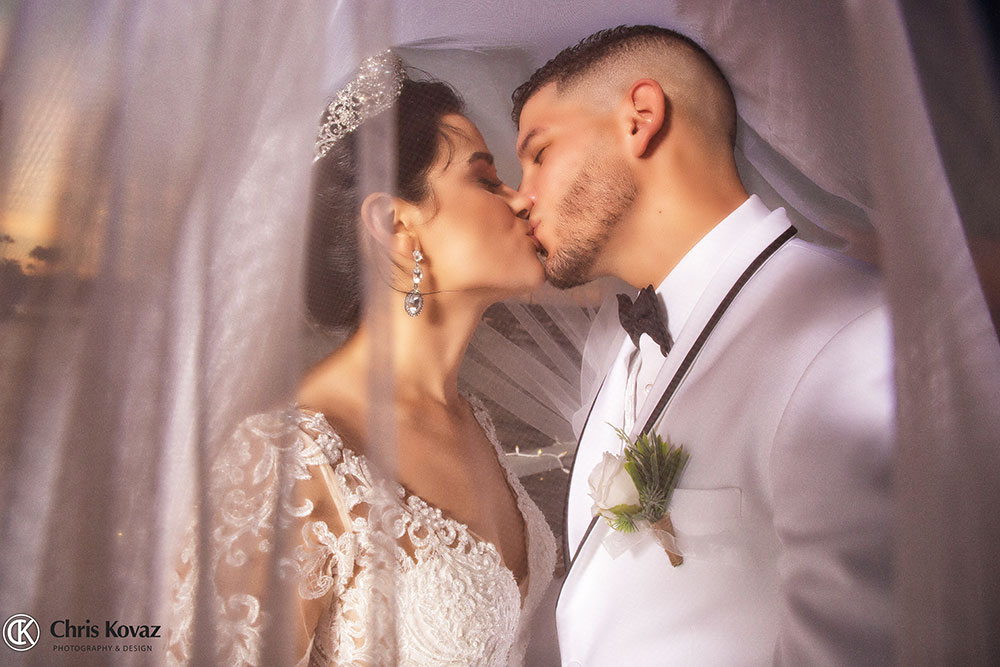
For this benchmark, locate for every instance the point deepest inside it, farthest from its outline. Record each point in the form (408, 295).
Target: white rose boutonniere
(632, 491)
(612, 488)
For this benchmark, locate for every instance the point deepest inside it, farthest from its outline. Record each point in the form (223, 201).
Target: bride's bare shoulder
(336, 388)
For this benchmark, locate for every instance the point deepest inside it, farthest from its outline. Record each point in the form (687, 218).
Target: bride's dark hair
(333, 274)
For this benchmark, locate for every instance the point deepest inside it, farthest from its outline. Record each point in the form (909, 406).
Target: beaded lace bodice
(392, 580)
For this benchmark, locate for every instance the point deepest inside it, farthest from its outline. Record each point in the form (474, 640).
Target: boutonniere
(632, 491)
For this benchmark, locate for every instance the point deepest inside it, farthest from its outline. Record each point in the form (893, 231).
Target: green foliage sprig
(655, 467)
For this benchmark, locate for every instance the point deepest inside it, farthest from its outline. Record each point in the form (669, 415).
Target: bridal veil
(154, 173)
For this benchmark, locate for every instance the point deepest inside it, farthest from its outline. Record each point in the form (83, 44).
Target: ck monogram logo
(20, 632)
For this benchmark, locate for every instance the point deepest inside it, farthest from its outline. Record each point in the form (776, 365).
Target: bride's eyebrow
(481, 155)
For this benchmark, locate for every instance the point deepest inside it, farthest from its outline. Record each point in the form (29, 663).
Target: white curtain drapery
(164, 149)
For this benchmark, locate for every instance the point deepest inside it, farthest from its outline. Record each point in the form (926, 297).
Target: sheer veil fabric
(158, 153)
(164, 149)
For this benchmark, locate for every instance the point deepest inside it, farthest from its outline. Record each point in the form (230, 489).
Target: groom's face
(580, 184)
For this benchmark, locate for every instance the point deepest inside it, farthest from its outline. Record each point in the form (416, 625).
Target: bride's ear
(646, 112)
(389, 222)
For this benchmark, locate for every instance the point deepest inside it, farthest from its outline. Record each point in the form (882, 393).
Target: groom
(766, 357)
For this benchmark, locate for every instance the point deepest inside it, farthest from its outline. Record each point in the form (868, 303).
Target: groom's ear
(647, 110)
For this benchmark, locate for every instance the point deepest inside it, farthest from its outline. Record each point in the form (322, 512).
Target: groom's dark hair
(582, 59)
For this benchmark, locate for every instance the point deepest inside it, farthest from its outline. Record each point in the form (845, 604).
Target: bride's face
(474, 234)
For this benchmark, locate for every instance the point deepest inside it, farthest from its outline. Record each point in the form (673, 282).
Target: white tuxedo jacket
(783, 512)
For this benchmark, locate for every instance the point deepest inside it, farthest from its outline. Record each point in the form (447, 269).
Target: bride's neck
(428, 349)
(425, 353)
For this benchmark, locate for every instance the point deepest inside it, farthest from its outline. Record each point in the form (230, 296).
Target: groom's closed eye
(526, 144)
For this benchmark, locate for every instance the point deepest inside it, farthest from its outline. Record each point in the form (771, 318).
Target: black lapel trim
(676, 380)
(565, 532)
(586, 534)
(699, 343)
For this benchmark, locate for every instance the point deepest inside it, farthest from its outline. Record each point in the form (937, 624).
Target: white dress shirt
(684, 286)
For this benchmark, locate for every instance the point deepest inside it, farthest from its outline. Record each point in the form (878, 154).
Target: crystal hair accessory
(376, 87)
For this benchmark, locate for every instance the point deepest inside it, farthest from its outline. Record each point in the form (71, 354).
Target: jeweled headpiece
(375, 88)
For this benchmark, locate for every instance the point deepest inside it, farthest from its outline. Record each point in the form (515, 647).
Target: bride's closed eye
(491, 184)
(481, 164)
(485, 174)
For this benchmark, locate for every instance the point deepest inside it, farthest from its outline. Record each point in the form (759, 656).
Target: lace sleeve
(273, 533)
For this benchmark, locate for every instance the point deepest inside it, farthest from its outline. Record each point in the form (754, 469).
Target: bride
(443, 559)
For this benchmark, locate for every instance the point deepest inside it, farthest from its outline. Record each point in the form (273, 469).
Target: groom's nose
(527, 195)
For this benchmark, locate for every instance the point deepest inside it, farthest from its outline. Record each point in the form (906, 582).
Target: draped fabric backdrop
(154, 168)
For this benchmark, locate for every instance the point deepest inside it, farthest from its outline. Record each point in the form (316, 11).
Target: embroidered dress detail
(401, 582)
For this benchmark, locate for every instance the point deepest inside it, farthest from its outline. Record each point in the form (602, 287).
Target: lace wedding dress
(395, 580)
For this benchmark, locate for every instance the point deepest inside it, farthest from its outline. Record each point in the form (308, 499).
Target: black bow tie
(644, 317)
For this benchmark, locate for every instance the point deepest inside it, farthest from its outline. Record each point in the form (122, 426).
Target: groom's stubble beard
(603, 192)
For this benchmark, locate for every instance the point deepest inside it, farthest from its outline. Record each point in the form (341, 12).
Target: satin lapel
(751, 245)
(600, 398)
(572, 469)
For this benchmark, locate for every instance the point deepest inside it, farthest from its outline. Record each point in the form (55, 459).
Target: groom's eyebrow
(527, 140)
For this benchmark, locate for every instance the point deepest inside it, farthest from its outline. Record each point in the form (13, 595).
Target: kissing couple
(729, 499)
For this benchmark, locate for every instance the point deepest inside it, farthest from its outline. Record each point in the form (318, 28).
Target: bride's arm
(270, 537)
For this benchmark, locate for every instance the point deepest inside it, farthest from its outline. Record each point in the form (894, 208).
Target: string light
(541, 454)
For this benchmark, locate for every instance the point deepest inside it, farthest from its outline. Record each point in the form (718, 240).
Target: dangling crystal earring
(413, 303)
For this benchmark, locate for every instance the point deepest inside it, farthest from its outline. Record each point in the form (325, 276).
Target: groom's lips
(539, 248)
(532, 226)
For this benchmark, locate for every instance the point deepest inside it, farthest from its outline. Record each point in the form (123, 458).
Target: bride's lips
(532, 226)
(539, 248)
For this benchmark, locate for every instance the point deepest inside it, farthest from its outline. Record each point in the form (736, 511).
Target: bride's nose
(519, 203)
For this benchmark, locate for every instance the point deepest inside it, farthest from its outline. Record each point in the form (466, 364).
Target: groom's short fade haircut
(575, 63)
